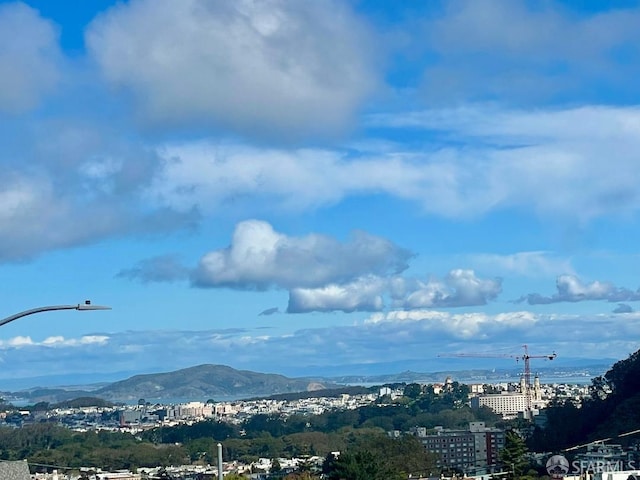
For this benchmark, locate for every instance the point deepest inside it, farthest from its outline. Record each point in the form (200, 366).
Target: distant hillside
(555, 374)
(223, 382)
(204, 382)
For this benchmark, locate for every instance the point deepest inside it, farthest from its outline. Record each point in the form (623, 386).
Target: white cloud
(320, 272)
(54, 341)
(16, 342)
(476, 325)
(490, 49)
(577, 163)
(93, 340)
(66, 184)
(215, 176)
(409, 338)
(59, 341)
(529, 264)
(29, 214)
(492, 125)
(570, 288)
(268, 68)
(259, 257)
(459, 288)
(61, 174)
(38, 214)
(469, 289)
(29, 57)
(363, 294)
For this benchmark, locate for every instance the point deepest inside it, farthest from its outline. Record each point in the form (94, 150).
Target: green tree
(413, 390)
(361, 465)
(202, 449)
(624, 377)
(514, 454)
(376, 456)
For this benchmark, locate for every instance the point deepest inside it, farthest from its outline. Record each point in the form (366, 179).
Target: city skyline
(288, 187)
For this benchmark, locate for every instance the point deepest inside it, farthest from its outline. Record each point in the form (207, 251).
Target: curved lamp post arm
(80, 306)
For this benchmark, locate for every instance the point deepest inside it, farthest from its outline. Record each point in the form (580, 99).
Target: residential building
(469, 451)
(455, 449)
(507, 404)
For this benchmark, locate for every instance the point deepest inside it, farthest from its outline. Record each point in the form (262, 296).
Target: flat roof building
(509, 405)
(469, 450)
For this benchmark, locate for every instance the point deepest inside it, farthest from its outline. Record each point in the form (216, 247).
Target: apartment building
(471, 450)
(507, 404)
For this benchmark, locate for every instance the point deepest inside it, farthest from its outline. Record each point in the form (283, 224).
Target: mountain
(223, 382)
(203, 382)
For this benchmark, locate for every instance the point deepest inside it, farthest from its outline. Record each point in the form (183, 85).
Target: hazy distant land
(222, 382)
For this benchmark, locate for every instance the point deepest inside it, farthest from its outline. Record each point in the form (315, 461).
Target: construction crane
(525, 357)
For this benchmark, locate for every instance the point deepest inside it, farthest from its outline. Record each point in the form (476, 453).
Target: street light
(80, 306)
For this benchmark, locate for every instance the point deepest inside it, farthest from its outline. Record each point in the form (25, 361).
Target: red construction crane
(525, 357)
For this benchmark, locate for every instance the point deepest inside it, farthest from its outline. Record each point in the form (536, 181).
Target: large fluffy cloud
(273, 67)
(460, 288)
(259, 257)
(29, 57)
(320, 272)
(323, 274)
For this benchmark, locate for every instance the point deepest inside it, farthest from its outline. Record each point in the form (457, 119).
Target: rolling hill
(195, 383)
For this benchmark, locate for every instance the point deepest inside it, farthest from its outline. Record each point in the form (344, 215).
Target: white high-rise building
(509, 405)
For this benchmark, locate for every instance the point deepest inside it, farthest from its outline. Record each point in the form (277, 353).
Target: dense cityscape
(472, 451)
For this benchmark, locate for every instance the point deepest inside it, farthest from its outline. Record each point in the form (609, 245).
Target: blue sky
(307, 187)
